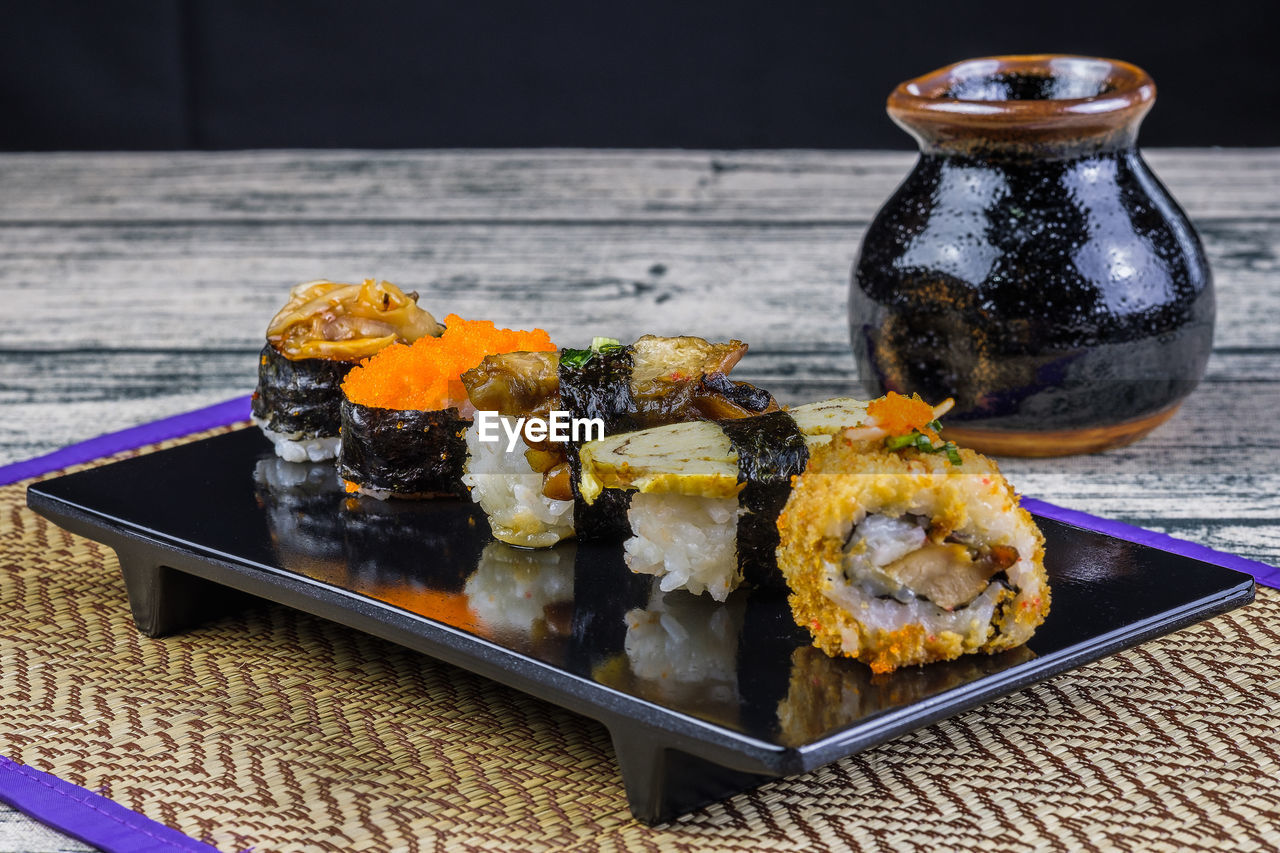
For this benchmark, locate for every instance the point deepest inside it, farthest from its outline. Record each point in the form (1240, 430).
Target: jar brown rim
(924, 100)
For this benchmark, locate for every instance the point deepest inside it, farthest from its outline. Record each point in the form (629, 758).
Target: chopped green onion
(921, 442)
(934, 425)
(953, 453)
(575, 357)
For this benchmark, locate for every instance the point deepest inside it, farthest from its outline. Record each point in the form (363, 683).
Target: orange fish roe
(899, 415)
(424, 375)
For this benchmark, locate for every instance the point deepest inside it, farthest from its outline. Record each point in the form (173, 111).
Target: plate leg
(664, 783)
(166, 601)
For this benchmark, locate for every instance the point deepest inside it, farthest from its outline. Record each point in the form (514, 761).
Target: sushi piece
(404, 411)
(900, 557)
(530, 496)
(706, 494)
(320, 334)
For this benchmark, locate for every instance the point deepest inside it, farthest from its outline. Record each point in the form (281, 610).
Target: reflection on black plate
(702, 699)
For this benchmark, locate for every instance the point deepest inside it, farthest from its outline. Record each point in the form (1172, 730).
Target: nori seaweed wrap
(771, 450)
(402, 452)
(299, 397)
(597, 384)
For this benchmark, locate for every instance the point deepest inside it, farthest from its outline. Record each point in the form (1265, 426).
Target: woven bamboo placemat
(281, 731)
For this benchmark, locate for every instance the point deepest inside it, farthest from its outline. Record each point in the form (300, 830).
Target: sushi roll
(706, 494)
(530, 495)
(320, 334)
(404, 411)
(902, 556)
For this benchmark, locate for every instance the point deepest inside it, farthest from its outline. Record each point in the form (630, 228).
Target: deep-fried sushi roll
(899, 557)
(323, 331)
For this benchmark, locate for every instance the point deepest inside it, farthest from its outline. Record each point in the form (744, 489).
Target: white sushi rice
(688, 542)
(293, 447)
(510, 493)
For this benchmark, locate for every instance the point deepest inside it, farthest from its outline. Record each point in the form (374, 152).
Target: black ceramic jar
(1031, 266)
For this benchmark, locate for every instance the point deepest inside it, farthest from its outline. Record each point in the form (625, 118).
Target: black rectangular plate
(702, 699)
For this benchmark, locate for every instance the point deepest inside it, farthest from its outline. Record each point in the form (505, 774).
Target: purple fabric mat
(87, 816)
(78, 812)
(186, 423)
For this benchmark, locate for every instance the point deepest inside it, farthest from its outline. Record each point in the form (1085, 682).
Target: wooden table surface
(136, 286)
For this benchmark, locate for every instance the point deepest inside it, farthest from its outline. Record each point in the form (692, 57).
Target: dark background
(170, 74)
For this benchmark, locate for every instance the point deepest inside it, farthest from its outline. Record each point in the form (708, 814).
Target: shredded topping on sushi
(425, 375)
(347, 322)
(907, 423)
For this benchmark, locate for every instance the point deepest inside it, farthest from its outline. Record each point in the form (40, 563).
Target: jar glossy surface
(1031, 266)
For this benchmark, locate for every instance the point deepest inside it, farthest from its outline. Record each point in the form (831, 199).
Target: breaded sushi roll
(404, 411)
(323, 331)
(900, 557)
(530, 495)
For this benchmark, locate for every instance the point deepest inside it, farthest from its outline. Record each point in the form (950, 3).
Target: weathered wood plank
(815, 186)
(187, 286)
(796, 373)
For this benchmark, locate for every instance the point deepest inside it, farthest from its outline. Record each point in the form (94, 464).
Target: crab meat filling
(905, 557)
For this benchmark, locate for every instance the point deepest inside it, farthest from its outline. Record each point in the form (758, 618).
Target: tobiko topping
(425, 375)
